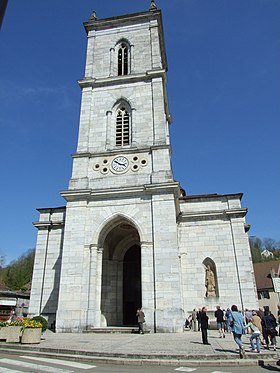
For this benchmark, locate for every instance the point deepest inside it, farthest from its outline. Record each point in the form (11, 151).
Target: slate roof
(262, 270)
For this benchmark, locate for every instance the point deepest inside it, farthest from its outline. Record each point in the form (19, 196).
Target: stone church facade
(128, 236)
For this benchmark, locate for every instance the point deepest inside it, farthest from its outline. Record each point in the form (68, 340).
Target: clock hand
(120, 164)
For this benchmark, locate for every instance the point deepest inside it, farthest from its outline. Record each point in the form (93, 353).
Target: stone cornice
(114, 152)
(121, 79)
(88, 194)
(202, 197)
(212, 215)
(48, 224)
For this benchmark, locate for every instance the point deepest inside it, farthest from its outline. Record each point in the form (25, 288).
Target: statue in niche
(210, 282)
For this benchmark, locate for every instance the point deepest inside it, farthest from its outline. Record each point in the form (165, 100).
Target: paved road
(33, 364)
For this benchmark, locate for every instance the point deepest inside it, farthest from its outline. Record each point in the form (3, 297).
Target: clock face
(119, 164)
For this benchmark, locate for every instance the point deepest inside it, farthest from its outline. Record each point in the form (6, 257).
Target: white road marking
(61, 362)
(7, 370)
(185, 369)
(219, 371)
(44, 368)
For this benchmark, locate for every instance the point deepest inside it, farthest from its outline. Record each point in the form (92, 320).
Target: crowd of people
(260, 324)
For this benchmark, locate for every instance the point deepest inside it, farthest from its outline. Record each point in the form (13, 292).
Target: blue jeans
(238, 341)
(255, 336)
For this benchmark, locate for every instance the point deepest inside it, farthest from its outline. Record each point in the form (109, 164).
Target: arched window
(123, 59)
(122, 127)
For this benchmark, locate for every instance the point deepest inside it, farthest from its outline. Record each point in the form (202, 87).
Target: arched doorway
(121, 274)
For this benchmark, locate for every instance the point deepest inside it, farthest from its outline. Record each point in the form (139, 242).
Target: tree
(19, 272)
(257, 246)
(2, 261)
(256, 249)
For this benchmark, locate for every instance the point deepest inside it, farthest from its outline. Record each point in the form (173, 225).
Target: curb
(147, 360)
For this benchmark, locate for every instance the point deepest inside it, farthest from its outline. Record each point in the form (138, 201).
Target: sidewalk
(161, 348)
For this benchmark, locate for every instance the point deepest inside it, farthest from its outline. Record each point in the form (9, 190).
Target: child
(254, 336)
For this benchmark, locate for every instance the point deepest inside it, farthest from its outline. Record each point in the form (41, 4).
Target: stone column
(98, 288)
(91, 285)
(112, 55)
(148, 286)
(109, 130)
(133, 128)
(132, 64)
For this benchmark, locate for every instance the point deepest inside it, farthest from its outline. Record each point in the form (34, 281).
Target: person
(198, 317)
(254, 336)
(278, 318)
(260, 312)
(269, 328)
(204, 325)
(194, 320)
(210, 282)
(248, 317)
(187, 323)
(237, 327)
(13, 316)
(141, 319)
(256, 320)
(228, 312)
(219, 314)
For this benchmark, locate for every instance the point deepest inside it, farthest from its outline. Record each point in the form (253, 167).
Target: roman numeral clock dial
(119, 164)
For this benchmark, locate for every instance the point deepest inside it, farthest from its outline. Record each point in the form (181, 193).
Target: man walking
(141, 319)
(219, 314)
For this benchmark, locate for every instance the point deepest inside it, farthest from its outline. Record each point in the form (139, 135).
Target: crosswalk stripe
(44, 368)
(7, 370)
(185, 369)
(72, 364)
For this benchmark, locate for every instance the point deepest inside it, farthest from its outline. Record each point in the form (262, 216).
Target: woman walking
(237, 327)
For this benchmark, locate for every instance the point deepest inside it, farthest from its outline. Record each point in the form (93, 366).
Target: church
(128, 235)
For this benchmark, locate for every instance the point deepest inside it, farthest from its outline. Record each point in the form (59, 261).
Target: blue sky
(223, 89)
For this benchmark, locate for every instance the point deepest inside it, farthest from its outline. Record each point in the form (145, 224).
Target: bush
(42, 320)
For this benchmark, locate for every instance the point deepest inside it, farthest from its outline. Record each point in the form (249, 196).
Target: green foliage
(18, 273)
(42, 321)
(257, 246)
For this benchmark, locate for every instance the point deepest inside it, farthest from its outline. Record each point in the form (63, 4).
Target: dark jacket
(269, 321)
(204, 320)
(219, 314)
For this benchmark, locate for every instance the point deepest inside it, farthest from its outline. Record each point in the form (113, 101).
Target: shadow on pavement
(228, 351)
(269, 367)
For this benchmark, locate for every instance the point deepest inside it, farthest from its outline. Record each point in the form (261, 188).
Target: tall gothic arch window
(122, 127)
(123, 59)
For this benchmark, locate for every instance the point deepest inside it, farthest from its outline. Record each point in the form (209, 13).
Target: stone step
(114, 329)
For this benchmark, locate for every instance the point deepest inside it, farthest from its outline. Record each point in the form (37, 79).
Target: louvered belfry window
(122, 127)
(123, 60)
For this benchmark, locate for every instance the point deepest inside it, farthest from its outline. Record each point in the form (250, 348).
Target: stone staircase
(114, 329)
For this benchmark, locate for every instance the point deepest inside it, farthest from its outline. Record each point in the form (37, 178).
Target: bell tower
(124, 135)
(116, 247)
(122, 177)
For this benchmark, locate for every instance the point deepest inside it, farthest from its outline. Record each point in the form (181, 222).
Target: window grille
(123, 60)
(122, 127)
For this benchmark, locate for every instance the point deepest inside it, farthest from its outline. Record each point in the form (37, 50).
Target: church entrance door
(131, 284)
(121, 274)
